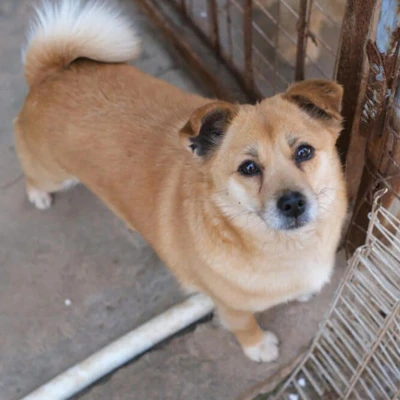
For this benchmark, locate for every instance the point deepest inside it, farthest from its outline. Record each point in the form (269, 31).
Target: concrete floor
(73, 278)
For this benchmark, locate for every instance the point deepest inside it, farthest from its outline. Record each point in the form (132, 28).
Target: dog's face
(274, 162)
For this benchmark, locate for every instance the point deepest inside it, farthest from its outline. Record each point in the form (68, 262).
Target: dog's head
(274, 162)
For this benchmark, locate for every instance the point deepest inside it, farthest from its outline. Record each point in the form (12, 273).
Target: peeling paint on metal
(396, 110)
(388, 23)
(379, 76)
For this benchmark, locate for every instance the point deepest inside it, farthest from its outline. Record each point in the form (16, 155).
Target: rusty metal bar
(248, 44)
(214, 31)
(183, 6)
(207, 67)
(281, 28)
(376, 110)
(253, 94)
(229, 30)
(351, 61)
(276, 46)
(302, 24)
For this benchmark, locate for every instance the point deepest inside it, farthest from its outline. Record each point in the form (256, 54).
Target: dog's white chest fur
(279, 279)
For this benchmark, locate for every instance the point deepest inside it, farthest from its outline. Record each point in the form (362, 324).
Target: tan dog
(242, 202)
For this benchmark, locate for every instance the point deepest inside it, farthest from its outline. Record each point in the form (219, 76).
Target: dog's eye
(249, 168)
(304, 152)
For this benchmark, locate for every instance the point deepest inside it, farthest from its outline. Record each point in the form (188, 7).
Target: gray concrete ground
(73, 278)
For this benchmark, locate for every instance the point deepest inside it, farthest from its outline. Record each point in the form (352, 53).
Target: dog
(244, 203)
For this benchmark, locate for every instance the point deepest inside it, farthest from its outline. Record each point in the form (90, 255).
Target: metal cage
(269, 43)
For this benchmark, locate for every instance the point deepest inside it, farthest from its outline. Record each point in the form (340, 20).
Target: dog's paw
(265, 351)
(41, 200)
(305, 297)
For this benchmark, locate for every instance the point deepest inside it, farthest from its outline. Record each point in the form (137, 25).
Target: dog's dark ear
(320, 98)
(206, 127)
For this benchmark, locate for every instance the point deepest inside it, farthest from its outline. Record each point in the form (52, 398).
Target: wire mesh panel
(197, 11)
(230, 19)
(356, 354)
(269, 43)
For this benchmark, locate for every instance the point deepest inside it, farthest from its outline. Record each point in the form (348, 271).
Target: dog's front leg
(258, 345)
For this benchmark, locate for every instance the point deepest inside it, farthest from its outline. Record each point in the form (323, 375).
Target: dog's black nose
(292, 204)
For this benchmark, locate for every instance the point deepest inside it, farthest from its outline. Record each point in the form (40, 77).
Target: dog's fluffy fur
(170, 164)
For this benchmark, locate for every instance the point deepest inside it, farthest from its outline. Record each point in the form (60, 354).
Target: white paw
(265, 351)
(305, 297)
(69, 183)
(41, 200)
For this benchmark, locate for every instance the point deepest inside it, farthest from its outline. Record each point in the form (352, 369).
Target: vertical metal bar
(355, 159)
(351, 61)
(214, 31)
(276, 44)
(183, 7)
(373, 116)
(248, 44)
(229, 29)
(185, 39)
(302, 26)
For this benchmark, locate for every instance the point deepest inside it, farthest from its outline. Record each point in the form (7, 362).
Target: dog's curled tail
(69, 29)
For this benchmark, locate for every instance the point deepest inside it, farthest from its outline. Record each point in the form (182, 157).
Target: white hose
(124, 349)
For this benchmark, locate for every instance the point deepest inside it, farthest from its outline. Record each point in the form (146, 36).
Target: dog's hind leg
(42, 175)
(39, 198)
(40, 194)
